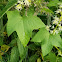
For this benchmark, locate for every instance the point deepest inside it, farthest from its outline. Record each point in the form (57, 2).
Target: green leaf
(55, 40)
(12, 43)
(33, 58)
(51, 57)
(23, 25)
(59, 59)
(20, 61)
(47, 10)
(38, 60)
(47, 40)
(41, 35)
(53, 3)
(7, 7)
(14, 55)
(32, 46)
(22, 50)
(46, 47)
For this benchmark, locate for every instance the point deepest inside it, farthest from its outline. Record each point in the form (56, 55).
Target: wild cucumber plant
(34, 30)
(56, 26)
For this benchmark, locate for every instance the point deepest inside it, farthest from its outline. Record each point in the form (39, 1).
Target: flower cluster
(41, 6)
(23, 3)
(56, 25)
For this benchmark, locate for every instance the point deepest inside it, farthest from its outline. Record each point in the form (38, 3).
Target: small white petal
(27, 2)
(60, 6)
(52, 26)
(60, 28)
(58, 11)
(56, 20)
(56, 31)
(51, 31)
(47, 27)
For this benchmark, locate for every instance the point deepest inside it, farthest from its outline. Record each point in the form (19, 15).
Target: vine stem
(41, 56)
(57, 48)
(1, 36)
(48, 19)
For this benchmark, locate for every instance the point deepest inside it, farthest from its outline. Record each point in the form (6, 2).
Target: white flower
(52, 27)
(27, 2)
(56, 20)
(60, 53)
(20, 2)
(47, 27)
(18, 7)
(59, 25)
(51, 31)
(60, 6)
(58, 11)
(60, 28)
(56, 31)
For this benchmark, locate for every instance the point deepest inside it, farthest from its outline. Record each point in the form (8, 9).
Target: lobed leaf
(23, 25)
(47, 40)
(41, 35)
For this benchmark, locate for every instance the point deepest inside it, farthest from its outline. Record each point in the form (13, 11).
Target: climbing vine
(30, 31)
